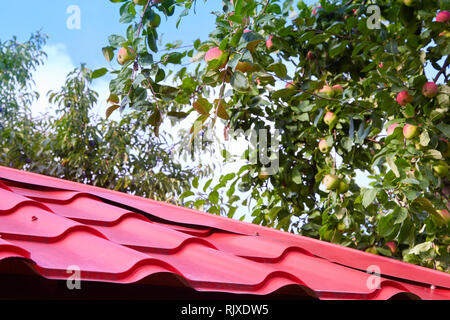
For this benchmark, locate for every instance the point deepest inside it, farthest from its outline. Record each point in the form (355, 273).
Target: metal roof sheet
(53, 224)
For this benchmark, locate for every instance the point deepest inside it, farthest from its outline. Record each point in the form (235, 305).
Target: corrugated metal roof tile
(114, 237)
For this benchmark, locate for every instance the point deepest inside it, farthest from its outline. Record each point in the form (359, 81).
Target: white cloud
(52, 75)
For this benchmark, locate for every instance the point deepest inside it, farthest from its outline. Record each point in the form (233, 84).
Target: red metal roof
(51, 224)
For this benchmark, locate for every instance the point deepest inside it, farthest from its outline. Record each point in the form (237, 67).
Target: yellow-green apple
(443, 16)
(215, 54)
(341, 226)
(410, 131)
(330, 118)
(441, 169)
(323, 146)
(372, 250)
(430, 89)
(156, 21)
(140, 2)
(391, 128)
(403, 98)
(445, 33)
(125, 55)
(343, 187)
(409, 3)
(331, 181)
(392, 246)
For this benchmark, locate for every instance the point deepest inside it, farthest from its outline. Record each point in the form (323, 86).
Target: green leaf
(116, 41)
(186, 194)
(369, 196)
(214, 197)
(296, 176)
(99, 73)
(435, 154)
(108, 53)
(400, 215)
(319, 38)
(239, 81)
(195, 182)
(393, 166)
(279, 68)
(424, 138)
(444, 128)
(338, 48)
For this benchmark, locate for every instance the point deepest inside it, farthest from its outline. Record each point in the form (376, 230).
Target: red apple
(380, 65)
(125, 55)
(330, 118)
(445, 215)
(331, 181)
(410, 131)
(315, 9)
(403, 98)
(443, 16)
(216, 54)
(430, 89)
(337, 89)
(327, 90)
(391, 128)
(269, 43)
(290, 85)
(392, 246)
(310, 55)
(263, 175)
(323, 146)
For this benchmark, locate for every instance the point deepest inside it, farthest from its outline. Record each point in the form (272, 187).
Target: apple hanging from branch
(125, 55)
(403, 98)
(430, 89)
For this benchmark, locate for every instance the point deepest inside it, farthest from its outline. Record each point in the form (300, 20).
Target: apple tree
(75, 145)
(352, 86)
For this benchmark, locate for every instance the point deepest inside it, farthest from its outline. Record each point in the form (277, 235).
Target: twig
(443, 69)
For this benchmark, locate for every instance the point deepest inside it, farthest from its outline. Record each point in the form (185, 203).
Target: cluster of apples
(429, 90)
(410, 131)
(333, 182)
(333, 91)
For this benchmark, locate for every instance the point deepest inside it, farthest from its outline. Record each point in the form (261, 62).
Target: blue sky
(99, 19)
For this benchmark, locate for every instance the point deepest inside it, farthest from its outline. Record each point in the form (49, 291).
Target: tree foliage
(320, 62)
(77, 146)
